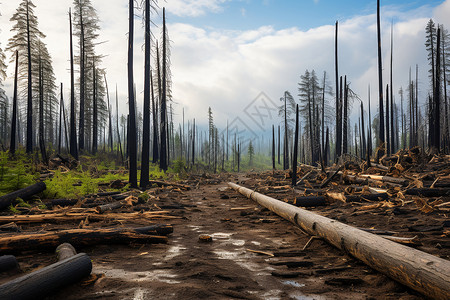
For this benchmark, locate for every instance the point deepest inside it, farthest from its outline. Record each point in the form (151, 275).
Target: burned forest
(224, 149)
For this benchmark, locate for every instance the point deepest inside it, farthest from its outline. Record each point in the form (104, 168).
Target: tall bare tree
(132, 141)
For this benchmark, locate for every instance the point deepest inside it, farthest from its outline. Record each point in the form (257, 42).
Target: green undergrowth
(77, 183)
(16, 172)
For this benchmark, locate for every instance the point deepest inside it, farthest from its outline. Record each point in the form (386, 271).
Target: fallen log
(327, 181)
(108, 207)
(163, 183)
(423, 272)
(310, 201)
(8, 262)
(94, 217)
(45, 281)
(82, 237)
(428, 192)
(390, 179)
(25, 193)
(367, 180)
(64, 251)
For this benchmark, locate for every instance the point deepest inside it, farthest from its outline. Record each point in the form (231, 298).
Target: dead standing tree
(146, 114)
(73, 129)
(380, 79)
(132, 142)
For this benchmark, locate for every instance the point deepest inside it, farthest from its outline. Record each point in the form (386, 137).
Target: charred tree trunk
(345, 119)
(146, 114)
(155, 124)
(95, 110)
(193, 143)
(110, 131)
(286, 147)
(380, 78)
(338, 142)
(24, 194)
(279, 145)
(43, 282)
(363, 130)
(163, 152)
(29, 145)
(132, 142)
(294, 157)
(388, 141)
(117, 126)
(393, 132)
(82, 81)
(273, 147)
(437, 96)
(12, 146)
(41, 113)
(73, 129)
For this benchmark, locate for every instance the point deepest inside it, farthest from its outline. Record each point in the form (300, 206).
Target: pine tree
(3, 101)
(251, 153)
(310, 94)
(85, 29)
(286, 111)
(430, 44)
(38, 54)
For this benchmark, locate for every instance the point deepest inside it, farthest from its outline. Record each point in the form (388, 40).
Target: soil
(252, 254)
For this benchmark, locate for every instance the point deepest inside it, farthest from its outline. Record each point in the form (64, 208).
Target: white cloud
(227, 69)
(194, 8)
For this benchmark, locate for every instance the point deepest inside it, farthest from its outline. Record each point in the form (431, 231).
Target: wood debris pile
(408, 191)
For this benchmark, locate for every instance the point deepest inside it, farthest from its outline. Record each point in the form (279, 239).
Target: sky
(239, 56)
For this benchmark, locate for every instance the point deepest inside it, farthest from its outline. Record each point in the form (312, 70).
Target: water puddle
(174, 251)
(238, 243)
(138, 276)
(194, 227)
(293, 283)
(221, 235)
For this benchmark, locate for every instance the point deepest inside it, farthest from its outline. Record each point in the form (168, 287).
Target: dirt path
(186, 268)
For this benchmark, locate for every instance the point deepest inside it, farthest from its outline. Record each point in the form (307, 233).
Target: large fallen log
(44, 281)
(70, 217)
(25, 193)
(423, 272)
(84, 237)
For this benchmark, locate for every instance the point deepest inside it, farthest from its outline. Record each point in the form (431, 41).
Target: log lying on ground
(163, 183)
(429, 192)
(367, 180)
(44, 281)
(418, 270)
(8, 262)
(310, 201)
(25, 193)
(71, 217)
(390, 179)
(85, 237)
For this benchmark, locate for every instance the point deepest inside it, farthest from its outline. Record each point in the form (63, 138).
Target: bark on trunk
(25, 193)
(82, 237)
(43, 282)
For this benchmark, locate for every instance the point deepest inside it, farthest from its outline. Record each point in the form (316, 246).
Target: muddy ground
(230, 266)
